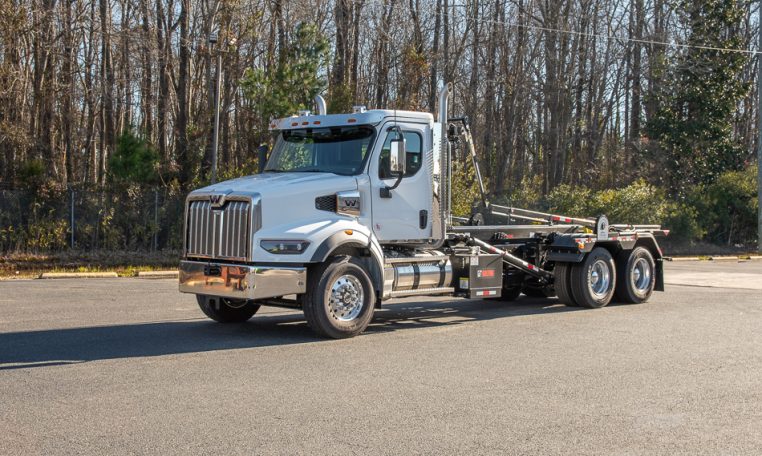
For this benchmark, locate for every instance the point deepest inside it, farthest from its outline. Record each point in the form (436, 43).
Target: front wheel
(227, 310)
(339, 299)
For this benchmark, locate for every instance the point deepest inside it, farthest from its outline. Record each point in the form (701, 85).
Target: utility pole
(217, 84)
(759, 126)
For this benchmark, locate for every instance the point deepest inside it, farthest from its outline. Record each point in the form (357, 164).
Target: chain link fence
(46, 220)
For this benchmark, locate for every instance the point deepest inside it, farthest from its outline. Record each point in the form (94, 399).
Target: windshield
(338, 150)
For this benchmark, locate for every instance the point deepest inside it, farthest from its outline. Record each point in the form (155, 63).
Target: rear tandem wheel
(637, 276)
(594, 279)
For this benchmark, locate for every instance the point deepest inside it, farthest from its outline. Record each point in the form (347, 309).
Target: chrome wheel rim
(599, 280)
(346, 300)
(641, 275)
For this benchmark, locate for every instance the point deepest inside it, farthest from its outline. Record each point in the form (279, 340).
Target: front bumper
(241, 281)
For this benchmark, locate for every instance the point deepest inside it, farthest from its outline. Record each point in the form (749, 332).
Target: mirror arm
(386, 192)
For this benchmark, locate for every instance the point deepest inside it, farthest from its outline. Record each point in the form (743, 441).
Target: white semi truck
(352, 210)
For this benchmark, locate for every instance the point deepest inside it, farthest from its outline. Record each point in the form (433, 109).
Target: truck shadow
(21, 350)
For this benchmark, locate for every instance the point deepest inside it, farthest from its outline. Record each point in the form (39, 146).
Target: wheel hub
(641, 275)
(346, 298)
(600, 278)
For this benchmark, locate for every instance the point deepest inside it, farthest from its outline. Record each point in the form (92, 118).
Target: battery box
(478, 276)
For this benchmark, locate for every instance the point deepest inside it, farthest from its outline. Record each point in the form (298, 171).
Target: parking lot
(129, 366)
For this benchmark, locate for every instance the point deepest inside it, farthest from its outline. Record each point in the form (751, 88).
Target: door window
(413, 142)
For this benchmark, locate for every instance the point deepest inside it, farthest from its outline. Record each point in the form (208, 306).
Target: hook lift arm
(542, 275)
(464, 134)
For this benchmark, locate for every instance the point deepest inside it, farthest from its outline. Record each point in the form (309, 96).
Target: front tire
(227, 310)
(339, 299)
(593, 280)
(637, 277)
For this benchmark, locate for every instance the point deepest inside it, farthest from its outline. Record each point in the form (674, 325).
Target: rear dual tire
(598, 279)
(562, 274)
(588, 284)
(594, 279)
(636, 270)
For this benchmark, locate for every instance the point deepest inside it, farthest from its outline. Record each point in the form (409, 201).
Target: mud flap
(659, 275)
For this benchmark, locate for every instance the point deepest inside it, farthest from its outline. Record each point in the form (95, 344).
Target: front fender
(360, 239)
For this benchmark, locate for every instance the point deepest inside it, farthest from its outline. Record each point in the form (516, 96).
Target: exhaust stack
(442, 199)
(321, 106)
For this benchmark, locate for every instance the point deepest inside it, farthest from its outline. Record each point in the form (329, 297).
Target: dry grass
(25, 265)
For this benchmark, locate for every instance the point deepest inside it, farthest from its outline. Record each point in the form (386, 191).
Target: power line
(603, 36)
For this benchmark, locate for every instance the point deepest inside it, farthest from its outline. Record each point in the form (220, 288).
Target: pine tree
(295, 80)
(693, 127)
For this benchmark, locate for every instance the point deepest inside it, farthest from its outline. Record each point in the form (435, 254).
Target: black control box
(478, 275)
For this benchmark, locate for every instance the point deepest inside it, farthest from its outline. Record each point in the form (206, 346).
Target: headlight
(285, 247)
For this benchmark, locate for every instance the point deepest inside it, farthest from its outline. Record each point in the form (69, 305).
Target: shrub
(728, 207)
(638, 204)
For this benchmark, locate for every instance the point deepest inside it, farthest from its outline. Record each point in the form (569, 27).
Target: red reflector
(317, 122)
(305, 123)
(294, 124)
(485, 273)
(351, 120)
(531, 267)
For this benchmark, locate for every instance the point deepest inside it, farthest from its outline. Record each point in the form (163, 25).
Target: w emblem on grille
(217, 200)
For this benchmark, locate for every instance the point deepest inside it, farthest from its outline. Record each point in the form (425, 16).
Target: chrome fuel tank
(419, 273)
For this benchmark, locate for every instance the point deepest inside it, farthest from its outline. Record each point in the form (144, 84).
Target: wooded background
(565, 96)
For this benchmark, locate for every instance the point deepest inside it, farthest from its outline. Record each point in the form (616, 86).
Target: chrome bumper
(242, 282)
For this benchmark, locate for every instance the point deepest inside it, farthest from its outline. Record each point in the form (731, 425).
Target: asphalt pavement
(129, 366)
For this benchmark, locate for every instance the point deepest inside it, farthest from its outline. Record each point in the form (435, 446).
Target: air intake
(326, 203)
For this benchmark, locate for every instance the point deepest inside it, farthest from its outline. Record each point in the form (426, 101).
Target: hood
(282, 184)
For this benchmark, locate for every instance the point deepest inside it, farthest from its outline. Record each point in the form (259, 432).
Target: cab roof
(371, 117)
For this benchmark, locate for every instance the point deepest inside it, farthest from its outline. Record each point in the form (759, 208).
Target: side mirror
(397, 156)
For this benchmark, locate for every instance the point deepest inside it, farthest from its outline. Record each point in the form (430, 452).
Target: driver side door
(406, 214)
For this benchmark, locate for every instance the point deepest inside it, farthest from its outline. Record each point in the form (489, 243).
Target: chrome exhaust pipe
(445, 179)
(321, 106)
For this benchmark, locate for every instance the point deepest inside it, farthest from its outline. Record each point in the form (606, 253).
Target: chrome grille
(219, 232)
